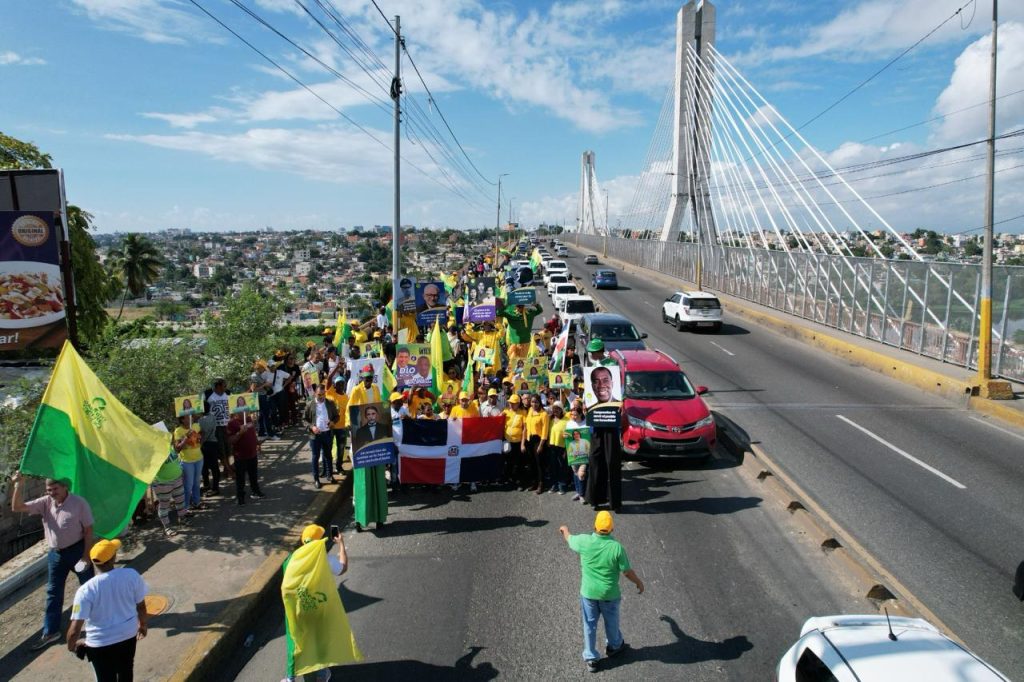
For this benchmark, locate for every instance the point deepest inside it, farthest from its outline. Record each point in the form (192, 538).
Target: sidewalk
(211, 575)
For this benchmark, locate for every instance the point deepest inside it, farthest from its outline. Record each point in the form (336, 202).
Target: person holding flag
(369, 484)
(315, 624)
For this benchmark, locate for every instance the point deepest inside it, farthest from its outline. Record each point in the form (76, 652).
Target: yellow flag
(316, 627)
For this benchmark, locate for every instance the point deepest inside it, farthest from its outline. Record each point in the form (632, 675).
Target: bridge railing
(928, 308)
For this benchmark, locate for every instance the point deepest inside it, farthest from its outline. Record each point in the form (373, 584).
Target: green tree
(92, 283)
(244, 331)
(138, 263)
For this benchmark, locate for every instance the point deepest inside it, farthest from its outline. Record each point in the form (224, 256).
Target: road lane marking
(722, 349)
(998, 428)
(903, 453)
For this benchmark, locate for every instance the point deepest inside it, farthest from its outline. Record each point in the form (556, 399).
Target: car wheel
(679, 324)
(717, 328)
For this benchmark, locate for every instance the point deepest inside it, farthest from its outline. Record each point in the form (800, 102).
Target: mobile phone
(335, 531)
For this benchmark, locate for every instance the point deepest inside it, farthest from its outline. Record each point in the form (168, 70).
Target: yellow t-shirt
(415, 402)
(191, 452)
(556, 435)
(458, 412)
(537, 424)
(515, 421)
(360, 395)
(341, 401)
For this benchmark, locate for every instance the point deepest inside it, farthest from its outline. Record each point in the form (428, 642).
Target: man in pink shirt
(67, 527)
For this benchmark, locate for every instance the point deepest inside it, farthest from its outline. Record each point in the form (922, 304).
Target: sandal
(170, 532)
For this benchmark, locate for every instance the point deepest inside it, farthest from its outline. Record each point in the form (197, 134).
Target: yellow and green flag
(84, 434)
(315, 625)
(339, 329)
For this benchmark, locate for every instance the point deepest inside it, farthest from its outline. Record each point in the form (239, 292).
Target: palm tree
(138, 264)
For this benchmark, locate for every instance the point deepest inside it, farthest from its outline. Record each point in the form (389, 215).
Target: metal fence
(928, 308)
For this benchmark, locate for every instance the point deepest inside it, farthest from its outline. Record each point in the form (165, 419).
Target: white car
(561, 251)
(591, 259)
(555, 266)
(866, 649)
(562, 290)
(692, 310)
(574, 307)
(555, 279)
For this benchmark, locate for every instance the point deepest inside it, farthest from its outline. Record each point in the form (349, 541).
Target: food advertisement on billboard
(32, 306)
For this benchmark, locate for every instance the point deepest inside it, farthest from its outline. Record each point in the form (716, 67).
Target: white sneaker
(472, 487)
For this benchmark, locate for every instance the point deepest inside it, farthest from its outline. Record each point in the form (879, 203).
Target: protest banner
(189, 405)
(372, 437)
(522, 296)
(431, 303)
(245, 402)
(310, 378)
(355, 366)
(577, 445)
(560, 379)
(481, 300)
(602, 395)
(32, 313)
(370, 349)
(412, 365)
(484, 356)
(406, 303)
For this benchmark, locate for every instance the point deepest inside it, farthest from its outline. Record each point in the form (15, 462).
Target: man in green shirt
(602, 559)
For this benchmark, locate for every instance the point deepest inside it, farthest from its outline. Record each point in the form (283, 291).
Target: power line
(939, 118)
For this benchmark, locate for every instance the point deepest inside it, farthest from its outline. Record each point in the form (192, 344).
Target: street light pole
(396, 231)
(497, 221)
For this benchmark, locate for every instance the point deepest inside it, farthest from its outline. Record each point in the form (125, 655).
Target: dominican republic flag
(440, 451)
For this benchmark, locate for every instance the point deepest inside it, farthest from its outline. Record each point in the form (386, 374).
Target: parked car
(663, 414)
(556, 279)
(873, 647)
(574, 307)
(692, 310)
(591, 259)
(561, 290)
(604, 279)
(617, 332)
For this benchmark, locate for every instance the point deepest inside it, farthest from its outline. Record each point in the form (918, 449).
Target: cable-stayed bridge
(732, 197)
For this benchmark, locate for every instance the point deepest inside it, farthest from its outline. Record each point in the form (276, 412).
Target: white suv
(554, 266)
(692, 310)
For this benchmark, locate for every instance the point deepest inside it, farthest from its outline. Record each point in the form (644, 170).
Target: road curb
(209, 652)
(875, 583)
(958, 390)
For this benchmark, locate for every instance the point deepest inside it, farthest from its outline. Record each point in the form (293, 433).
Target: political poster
(484, 356)
(406, 302)
(577, 445)
(558, 379)
(525, 386)
(188, 405)
(310, 378)
(356, 366)
(480, 300)
(32, 313)
(522, 296)
(372, 437)
(412, 365)
(450, 392)
(244, 402)
(602, 395)
(370, 349)
(431, 303)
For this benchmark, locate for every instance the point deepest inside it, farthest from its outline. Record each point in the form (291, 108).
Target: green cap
(595, 346)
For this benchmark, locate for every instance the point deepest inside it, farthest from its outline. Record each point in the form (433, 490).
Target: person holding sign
(577, 449)
(186, 443)
(558, 472)
(369, 485)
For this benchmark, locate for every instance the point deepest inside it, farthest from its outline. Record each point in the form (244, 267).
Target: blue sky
(162, 119)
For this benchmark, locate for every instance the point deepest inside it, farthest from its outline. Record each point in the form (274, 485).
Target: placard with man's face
(412, 365)
(601, 385)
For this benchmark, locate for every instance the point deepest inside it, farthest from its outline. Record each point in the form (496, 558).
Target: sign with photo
(602, 395)
(480, 299)
(356, 366)
(484, 356)
(431, 303)
(522, 296)
(406, 302)
(370, 349)
(244, 402)
(524, 385)
(412, 365)
(188, 405)
(310, 378)
(560, 379)
(32, 313)
(577, 445)
(373, 441)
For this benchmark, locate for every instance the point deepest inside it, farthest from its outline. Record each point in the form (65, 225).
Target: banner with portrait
(484, 356)
(356, 366)
(602, 394)
(406, 301)
(577, 444)
(559, 379)
(412, 365)
(244, 402)
(431, 303)
(310, 379)
(373, 440)
(480, 300)
(188, 406)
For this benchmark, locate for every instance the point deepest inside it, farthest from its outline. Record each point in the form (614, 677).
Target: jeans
(211, 465)
(591, 610)
(192, 475)
(557, 468)
(577, 482)
(243, 468)
(60, 562)
(114, 662)
(320, 444)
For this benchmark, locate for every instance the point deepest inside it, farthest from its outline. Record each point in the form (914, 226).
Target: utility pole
(497, 221)
(989, 388)
(396, 230)
(605, 224)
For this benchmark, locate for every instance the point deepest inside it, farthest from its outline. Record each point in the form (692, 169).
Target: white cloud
(968, 85)
(155, 21)
(187, 120)
(14, 59)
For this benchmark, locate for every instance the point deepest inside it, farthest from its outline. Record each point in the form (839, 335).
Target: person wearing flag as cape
(315, 624)
(519, 319)
(369, 485)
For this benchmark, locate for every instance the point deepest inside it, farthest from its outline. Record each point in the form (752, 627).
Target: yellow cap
(491, 392)
(377, 334)
(326, 331)
(463, 395)
(309, 344)
(513, 398)
(104, 550)
(261, 364)
(396, 396)
(312, 532)
(603, 523)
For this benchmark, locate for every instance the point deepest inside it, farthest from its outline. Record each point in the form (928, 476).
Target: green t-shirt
(602, 560)
(170, 471)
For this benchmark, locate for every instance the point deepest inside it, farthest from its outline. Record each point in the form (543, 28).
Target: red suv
(663, 414)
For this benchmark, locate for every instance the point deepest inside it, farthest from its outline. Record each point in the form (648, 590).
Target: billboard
(33, 309)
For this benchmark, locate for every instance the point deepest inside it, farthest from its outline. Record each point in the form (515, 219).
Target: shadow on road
(457, 524)
(712, 506)
(685, 650)
(417, 670)
(728, 329)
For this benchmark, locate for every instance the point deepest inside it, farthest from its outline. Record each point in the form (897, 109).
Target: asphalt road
(948, 523)
(481, 586)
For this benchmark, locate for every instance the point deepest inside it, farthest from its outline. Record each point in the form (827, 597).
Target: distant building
(303, 269)
(203, 270)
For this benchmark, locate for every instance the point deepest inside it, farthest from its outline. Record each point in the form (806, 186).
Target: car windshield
(559, 279)
(615, 332)
(605, 273)
(565, 289)
(579, 307)
(704, 304)
(658, 386)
